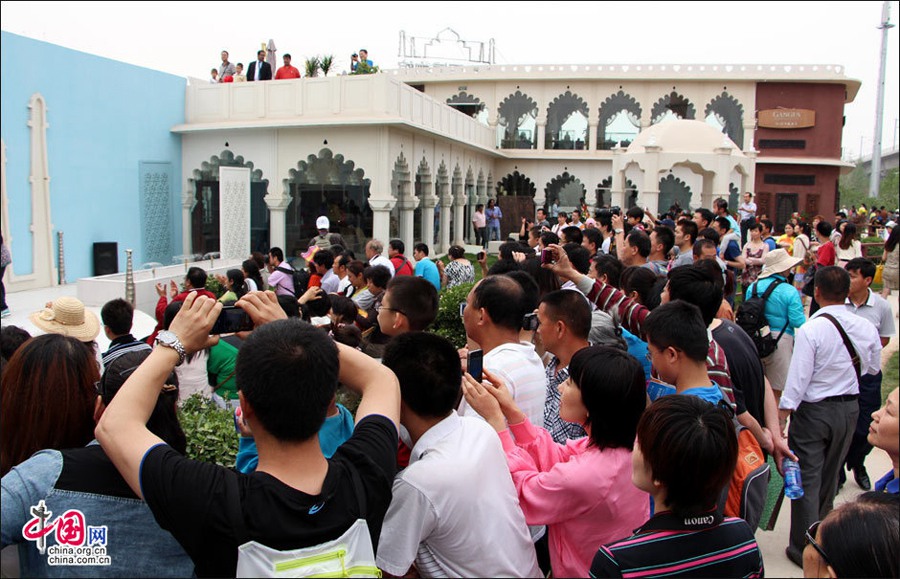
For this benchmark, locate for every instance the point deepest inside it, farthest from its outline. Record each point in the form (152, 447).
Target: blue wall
(104, 119)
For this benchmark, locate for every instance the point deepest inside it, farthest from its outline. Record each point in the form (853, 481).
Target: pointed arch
(618, 106)
(604, 192)
(566, 189)
(567, 122)
(327, 184)
(673, 104)
(517, 185)
(516, 119)
(673, 190)
(729, 114)
(205, 219)
(468, 105)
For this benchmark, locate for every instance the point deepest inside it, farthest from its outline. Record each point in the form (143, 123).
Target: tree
(854, 188)
(326, 63)
(312, 66)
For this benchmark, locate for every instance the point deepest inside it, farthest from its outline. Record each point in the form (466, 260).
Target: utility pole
(875, 182)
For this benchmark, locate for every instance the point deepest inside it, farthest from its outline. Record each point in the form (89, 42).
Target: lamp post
(875, 182)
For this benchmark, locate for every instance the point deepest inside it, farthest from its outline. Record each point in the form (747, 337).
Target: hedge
(448, 322)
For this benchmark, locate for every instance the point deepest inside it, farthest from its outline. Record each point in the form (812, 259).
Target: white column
(541, 124)
(649, 196)
(277, 214)
(446, 204)
(187, 207)
(617, 189)
(381, 218)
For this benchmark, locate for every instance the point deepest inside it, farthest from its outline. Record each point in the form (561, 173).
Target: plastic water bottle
(793, 485)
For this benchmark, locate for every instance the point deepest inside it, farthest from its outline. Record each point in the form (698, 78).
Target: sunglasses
(811, 540)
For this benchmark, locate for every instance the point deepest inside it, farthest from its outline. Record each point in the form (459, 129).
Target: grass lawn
(891, 378)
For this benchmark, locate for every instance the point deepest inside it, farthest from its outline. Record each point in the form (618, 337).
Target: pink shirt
(584, 495)
(479, 220)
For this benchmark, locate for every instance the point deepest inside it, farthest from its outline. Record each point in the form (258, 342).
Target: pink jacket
(583, 494)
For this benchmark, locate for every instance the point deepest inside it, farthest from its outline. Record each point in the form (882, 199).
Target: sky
(185, 38)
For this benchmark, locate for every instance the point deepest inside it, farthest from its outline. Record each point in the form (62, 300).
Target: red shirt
(402, 265)
(287, 72)
(826, 254)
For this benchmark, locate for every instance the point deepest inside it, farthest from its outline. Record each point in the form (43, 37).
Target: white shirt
(382, 260)
(747, 210)
(343, 284)
(455, 510)
(522, 370)
(877, 310)
(820, 366)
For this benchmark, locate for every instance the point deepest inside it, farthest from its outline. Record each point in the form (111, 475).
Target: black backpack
(300, 278)
(751, 317)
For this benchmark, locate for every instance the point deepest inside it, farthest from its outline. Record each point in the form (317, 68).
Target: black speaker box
(106, 257)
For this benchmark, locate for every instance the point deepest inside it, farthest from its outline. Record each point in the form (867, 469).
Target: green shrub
(211, 436)
(213, 285)
(448, 323)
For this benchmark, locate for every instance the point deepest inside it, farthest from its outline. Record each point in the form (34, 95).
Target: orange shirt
(287, 72)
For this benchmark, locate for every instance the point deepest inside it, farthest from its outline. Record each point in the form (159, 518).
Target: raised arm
(378, 385)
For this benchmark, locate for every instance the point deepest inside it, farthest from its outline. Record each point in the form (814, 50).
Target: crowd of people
(586, 428)
(260, 69)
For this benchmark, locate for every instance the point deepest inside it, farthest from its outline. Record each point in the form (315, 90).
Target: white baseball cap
(322, 223)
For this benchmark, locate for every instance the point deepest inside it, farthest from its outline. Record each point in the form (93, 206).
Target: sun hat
(322, 223)
(778, 261)
(67, 316)
(890, 224)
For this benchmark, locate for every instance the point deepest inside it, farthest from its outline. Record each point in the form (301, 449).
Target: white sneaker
(5, 313)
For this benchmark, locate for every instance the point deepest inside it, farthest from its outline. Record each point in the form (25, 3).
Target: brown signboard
(786, 118)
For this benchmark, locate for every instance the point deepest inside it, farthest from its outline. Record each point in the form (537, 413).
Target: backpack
(746, 492)
(300, 278)
(751, 317)
(350, 555)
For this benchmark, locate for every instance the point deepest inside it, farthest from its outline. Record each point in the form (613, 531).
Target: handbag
(809, 287)
(879, 274)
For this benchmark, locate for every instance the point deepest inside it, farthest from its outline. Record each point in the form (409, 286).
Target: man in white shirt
(747, 212)
(437, 520)
(821, 395)
(374, 248)
(866, 304)
(493, 314)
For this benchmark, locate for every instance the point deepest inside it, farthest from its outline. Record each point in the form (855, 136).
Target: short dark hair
(643, 280)
(833, 283)
(356, 267)
(723, 223)
(679, 325)
(865, 267)
(507, 248)
(699, 284)
(579, 257)
(377, 275)
(705, 215)
(549, 238)
(614, 391)
(691, 448)
(593, 236)
(503, 298)
(117, 315)
(502, 266)
(286, 55)
(421, 247)
(721, 203)
(665, 236)
(573, 234)
(288, 372)
(414, 297)
(545, 278)
(456, 252)
(710, 234)
(767, 223)
(197, 277)
(324, 257)
(571, 308)
(688, 228)
(343, 260)
(635, 213)
(861, 537)
(277, 253)
(428, 369)
(11, 337)
(289, 306)
(610, 266)
(702, 244)
(640, 240)
(345, 309)
(258, 52)
(397, 245)
(824, 228)
(532, 293)
(756, 225)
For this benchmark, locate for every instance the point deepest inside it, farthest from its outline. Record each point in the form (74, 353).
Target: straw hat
(778, 261)
(67, 316)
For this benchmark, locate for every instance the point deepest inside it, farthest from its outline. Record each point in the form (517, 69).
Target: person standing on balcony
(287, 71)
(493, 215)
(259, 70)
(226, 68)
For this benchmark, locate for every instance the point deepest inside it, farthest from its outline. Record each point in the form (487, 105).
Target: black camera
(615, 210)
(530, 322)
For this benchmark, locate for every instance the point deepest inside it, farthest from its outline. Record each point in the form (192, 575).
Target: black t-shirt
(188, 498)
(745, 367)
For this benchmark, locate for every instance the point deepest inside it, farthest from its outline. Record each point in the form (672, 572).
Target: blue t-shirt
(427, 269)
(732, 251)
(888, 484)
(711, 394)
(637, 348)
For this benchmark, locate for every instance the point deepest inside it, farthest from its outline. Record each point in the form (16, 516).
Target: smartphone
(530, 322)
(480, 255)
(232, 319)
(546, 255)
(474, 363)
(237, 417)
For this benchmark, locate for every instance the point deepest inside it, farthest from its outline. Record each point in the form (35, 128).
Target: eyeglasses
(810, 540)
(383, 307)
(462, 308)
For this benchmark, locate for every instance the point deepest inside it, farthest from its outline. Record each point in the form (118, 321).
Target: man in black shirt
(296, 498)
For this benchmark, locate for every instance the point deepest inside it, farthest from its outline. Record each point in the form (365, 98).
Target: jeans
(494, 229)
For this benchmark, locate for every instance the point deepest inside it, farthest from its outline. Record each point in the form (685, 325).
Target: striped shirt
(669, 545)
(559, 429)
(122, 345)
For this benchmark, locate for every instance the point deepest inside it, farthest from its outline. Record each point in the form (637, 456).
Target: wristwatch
(170, 340)
(620, 230)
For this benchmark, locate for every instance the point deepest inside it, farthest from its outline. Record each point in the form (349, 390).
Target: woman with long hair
(234, 286)
(252, 277)
(891, 260)
(581, 490)
(47, 398)
(849, 246)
